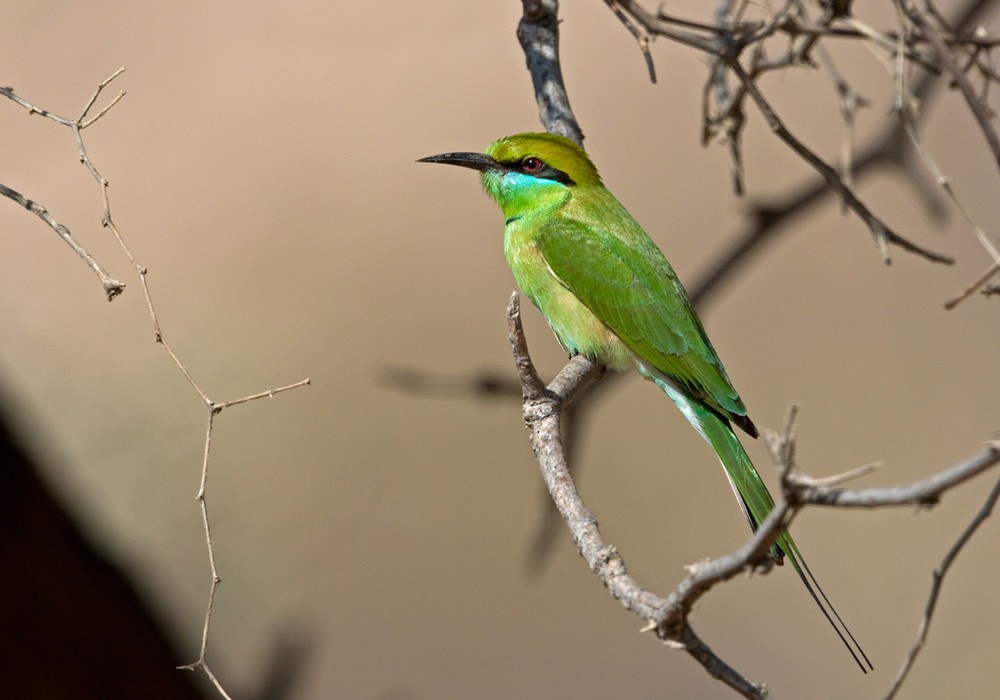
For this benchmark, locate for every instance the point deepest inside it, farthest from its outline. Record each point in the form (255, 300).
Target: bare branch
(112, 287)
(202, 663)
(729, 38)
(538, 33)
(889, 147)
(938, 580)
(926, 492)
(978, 109)
(881, 232)
(542, 408)
(978, 283)
(269, 394)
(641, 37)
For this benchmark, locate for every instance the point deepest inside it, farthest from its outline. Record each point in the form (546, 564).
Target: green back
(597, 250)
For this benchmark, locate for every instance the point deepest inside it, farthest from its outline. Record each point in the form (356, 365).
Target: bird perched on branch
(609, 294)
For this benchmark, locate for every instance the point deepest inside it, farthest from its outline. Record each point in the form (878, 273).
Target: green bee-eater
(609, 294)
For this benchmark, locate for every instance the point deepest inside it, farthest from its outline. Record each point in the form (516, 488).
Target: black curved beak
(476, 161)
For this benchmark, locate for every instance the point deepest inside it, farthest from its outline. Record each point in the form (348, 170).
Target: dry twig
(938, 579)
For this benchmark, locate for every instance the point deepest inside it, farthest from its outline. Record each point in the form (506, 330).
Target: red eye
(531, 164)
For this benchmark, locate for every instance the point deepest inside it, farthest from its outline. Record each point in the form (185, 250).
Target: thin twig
(766, 221)
(971, 289)
(880, 231)
(905, 109)
(270, 393)
(938, 580)
(640, 35)
(202, 662)
(112, 287)
(727, 46)
(979, 111)
(925, 492)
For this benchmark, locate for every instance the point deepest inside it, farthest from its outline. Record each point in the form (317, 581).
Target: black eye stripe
(542, 170)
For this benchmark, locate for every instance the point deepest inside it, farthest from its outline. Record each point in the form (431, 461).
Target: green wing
(628, 284)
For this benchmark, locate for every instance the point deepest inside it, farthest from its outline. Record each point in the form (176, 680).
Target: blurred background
(262, 168)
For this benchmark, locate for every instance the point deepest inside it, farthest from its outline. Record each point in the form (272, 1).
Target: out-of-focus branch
(947, 59)
(978, 283)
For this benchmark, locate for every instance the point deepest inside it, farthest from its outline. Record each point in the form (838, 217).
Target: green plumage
(609, 294)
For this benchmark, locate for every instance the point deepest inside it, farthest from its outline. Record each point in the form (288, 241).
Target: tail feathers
(756, 502)
(786, 542)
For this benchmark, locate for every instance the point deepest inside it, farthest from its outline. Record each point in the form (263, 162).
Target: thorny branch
(112, 289)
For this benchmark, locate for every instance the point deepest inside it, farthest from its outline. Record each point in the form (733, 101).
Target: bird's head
(528, 170)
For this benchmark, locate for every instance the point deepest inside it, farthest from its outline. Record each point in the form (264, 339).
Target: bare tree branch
(542, 408)
(946, 57)
(538, 33)
(641, 37)
(766, 221)
(727, 47)
(881, 233)
(926, 492)
(112, 287)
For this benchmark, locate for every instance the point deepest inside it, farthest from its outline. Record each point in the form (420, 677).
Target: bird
(609, 294)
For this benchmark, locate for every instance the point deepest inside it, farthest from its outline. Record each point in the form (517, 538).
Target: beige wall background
(262, 168)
